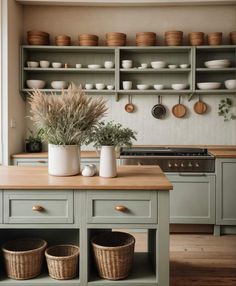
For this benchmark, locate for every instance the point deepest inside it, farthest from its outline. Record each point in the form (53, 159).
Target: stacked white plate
(217, 64)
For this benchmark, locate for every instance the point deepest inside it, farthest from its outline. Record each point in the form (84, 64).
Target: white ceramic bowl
(59, 84)
(88, 86)
(78, 66)
(56, 65)
(127, 64)
(94, 66)
(144, 65)
(32, 64)
(217, 64)
(44, 64)
(172, 66)
(108, 64)
(208, 85)
(127, 85)
(142, 86)
(183, 66)
(35, 83)
(110, 87)
(230, 84)
(158, 86)
(158, 65)
(100, 86)
(179, 86)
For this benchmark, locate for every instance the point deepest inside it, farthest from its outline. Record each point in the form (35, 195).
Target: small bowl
(144, 65)
(230, 84)
(158, 65)
(172, 66)
(44, 64)
(110, 87)
(158, 86)
(142, 86)
(179, 86)
(59, 84)
(88, 86)
(108, 64)
(208, 85)
(127, 64)
(56, 65)
(78, 66)
(94, 66)
(32, 64)
(183, 66)
(35, 83)
(100, 86)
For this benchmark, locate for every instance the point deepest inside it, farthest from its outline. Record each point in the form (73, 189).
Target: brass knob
(120, 208)
(37, 208)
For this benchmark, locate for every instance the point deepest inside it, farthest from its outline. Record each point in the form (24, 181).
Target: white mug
(127, 85)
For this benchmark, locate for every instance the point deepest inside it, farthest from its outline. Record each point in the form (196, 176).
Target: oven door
(192, 200)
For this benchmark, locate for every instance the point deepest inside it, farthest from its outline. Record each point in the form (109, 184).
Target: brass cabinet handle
(37, 208)
(120, 208)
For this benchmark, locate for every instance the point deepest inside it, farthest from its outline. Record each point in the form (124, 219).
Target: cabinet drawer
(122, 207)
(38, 207)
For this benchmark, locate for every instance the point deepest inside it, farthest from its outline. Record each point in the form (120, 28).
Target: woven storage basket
(113, 253)
(23, 258)
(62, 261)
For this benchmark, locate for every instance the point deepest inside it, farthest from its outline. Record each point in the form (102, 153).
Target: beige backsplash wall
(194, 129)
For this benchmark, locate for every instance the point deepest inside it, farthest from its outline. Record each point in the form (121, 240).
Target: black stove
(170, 159)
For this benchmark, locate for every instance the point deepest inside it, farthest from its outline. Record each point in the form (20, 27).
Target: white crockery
(179, 86)
(127, 85)
(158, 64)
(44, 64)
(183, 66)
(78, 66)
(127, 64)
(88, 86)
(172, 66)
(56, 65)
(94, 66)
(230, 84)
(59, 84)
(144, 65)
(35, 83)
(108, 64)
(110, 87)
(217, 64)
(142, 86)
(208, 85)
(32, 64)
(100, 86)
(158, 86)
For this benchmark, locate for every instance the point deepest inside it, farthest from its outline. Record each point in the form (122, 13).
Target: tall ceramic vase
(63, 160)
(108, 162)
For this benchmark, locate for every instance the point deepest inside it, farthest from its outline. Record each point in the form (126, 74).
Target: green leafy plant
(224, 109)
(111, 134)
(34, 137)
(67, 118)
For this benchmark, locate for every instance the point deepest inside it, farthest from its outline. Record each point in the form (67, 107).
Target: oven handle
(192, 174)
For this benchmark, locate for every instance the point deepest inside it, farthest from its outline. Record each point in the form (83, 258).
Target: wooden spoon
(179, 110)
(200, 107)
(129, 107)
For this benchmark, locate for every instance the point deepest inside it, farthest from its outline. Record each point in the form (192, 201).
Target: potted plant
(33, 144)
(66, 121)
(110, 136)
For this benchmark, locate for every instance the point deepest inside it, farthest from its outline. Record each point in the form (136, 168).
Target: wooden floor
(200, 260)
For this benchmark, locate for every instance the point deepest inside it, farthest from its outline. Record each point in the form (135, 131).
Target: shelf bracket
(117, 96)
(190, 96)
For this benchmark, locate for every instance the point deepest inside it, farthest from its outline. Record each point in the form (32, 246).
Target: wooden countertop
(223, 153)
(44, 155)
(129, 178)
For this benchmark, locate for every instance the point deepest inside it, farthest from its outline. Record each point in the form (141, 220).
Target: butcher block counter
(71, 210)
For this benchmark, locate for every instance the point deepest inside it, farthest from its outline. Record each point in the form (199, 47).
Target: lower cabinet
(226, 191)
(193, 198)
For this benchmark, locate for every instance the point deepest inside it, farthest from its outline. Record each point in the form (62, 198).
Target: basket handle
(37, 208)
(120, 208)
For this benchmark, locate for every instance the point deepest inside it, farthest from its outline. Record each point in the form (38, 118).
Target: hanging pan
(129, 107)
(200, 107)
(179, 110)
(159, 110)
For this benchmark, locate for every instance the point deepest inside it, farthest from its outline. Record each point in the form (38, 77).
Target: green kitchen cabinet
(226, 191)
(30, 161)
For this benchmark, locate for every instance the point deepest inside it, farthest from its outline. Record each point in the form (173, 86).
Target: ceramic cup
(78, 66)
(127, 64)
(127, 85)
(110, 87)
(88, 86)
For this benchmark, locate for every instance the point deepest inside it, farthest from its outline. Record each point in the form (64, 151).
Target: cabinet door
(192, 199)
(226, 191)
(30, 162)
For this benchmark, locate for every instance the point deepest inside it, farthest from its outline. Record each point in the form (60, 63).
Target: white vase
(107, 162)
(63, 160)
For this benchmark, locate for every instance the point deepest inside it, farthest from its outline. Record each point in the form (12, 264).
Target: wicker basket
(113, 252)
(196, 38)
(215, 38)
(23, 258)
(62, 261)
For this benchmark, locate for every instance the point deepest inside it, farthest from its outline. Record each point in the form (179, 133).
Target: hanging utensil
(179, 110)
(129, 107)
(200, 107)
(159, 110)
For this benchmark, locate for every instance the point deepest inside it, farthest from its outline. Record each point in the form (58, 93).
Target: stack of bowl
(214, 39)
(146, 39)
(174, 38)
(37, 38)
(115, 39)
(62, 40)
(232, 37)
(196, 38)
(88, 40)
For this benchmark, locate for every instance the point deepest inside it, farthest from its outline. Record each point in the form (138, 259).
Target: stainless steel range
(195, 160)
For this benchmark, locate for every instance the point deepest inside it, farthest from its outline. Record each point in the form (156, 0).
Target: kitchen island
(73, 209)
